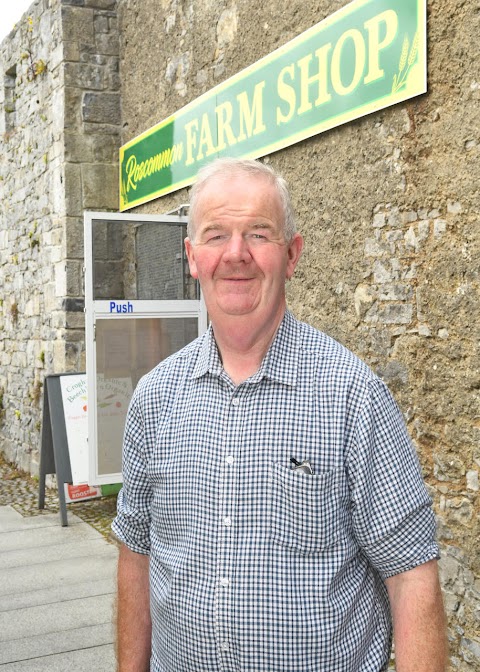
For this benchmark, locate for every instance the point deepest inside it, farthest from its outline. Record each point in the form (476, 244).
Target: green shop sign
(369, 55)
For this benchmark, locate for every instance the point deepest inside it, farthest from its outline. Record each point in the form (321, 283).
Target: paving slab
(46, 535)
(55, 573)
(59, 551)
(57, 588)
(47, 645)
(55, 594)
(11, 520)
(101, 658)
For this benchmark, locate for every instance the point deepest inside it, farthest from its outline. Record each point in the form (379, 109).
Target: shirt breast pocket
(308, 512)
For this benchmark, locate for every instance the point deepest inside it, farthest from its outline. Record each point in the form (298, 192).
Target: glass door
(141, 305)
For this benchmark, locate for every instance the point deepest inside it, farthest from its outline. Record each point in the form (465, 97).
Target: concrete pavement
(56, 595)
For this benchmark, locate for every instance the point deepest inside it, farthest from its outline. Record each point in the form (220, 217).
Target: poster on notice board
(74, 397)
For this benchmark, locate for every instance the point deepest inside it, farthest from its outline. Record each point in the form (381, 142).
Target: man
(272, 514)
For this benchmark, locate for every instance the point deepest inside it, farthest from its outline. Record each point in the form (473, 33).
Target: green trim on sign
(367, 56)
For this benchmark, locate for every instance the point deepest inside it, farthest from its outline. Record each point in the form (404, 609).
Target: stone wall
(389, 209)
(59, 137)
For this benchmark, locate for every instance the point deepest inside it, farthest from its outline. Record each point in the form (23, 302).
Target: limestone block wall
(388, 206)
(59, 130)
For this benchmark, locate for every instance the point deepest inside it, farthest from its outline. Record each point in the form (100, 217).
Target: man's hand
(418, 620)
(134, 627)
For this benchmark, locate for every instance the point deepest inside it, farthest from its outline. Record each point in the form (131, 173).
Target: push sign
(119, 308)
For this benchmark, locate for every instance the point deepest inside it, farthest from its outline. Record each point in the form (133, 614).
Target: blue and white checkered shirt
(255, 566)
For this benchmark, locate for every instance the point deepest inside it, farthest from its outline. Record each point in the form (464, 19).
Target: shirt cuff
(410, 544)
(122, 534)
(131, 527)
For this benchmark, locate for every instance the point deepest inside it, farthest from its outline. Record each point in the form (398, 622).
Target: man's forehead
(225, 188)
(242, 204)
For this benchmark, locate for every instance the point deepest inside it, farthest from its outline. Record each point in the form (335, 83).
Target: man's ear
(295, 248)
(189, 249)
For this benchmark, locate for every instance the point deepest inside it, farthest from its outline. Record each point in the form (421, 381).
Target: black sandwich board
(54, 455)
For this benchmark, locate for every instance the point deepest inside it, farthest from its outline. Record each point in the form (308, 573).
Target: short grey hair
(230, 166)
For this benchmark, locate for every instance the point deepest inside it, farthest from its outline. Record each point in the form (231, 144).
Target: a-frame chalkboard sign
(54, 455)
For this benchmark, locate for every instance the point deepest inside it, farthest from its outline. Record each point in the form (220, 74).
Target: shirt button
(235, 401)
(227, 521)
(229, 459)
(224, 646)
(225, 581)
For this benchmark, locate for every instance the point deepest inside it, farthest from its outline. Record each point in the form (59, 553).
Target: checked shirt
(254, 566)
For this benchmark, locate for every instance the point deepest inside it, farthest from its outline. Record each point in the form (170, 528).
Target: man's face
(239, 254)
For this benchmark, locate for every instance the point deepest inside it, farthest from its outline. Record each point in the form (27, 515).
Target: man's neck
(242, 349)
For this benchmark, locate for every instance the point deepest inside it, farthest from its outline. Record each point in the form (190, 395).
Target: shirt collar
(208, 360)
(279, 364)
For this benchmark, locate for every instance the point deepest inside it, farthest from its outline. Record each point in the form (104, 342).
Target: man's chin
(234, 311)
(235, 308)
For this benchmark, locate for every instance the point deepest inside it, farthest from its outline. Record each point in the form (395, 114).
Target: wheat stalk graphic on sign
(123, 192)
(408, 57)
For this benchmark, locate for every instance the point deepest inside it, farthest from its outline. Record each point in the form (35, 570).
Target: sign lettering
(365, 57)
(116, 307)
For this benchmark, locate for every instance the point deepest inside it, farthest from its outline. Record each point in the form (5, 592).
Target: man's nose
(236, 249)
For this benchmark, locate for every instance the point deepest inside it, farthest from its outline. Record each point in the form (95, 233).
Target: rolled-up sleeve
(392, 516)
(132, 523)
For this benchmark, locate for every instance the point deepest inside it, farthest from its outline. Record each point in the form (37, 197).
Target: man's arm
(418, 620)
(134, 626)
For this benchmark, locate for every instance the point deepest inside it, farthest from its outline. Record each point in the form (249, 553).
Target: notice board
(64, 448)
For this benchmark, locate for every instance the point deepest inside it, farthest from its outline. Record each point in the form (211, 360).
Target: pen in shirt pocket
(303, 467)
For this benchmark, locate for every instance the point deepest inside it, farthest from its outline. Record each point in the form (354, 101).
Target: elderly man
(273, 516)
